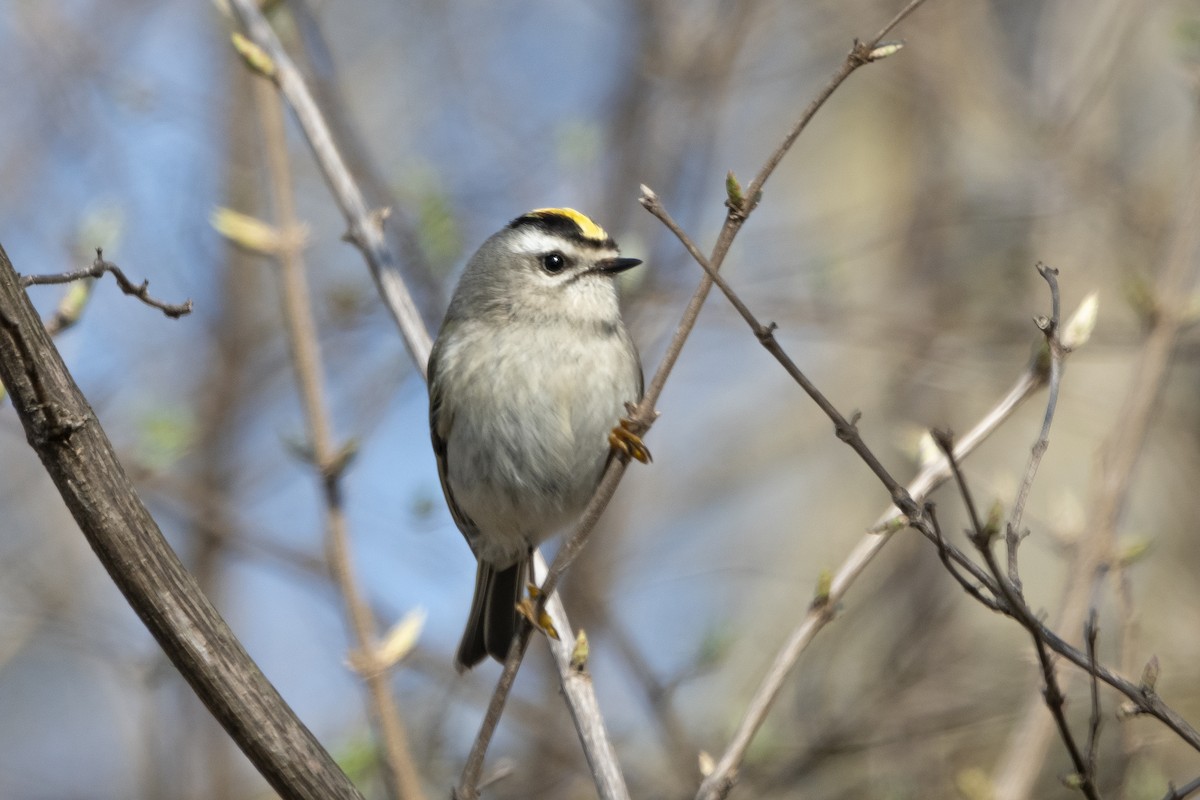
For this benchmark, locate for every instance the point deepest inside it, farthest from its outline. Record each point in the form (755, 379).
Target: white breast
(525, 453)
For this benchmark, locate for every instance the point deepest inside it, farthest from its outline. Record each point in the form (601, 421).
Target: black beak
(614, 265)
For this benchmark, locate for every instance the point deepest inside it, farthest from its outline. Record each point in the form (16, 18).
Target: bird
(531, 379)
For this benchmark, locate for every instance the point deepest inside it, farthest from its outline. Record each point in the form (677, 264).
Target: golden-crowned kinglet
(530, 373)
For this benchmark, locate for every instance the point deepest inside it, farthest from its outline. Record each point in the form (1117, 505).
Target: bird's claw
(541, 622)
(627, 443)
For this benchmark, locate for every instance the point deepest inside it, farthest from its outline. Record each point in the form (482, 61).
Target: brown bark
(63, 430)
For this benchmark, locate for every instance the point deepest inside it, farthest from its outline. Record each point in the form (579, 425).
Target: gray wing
(440, 422)
(641, 388)
(641, 375)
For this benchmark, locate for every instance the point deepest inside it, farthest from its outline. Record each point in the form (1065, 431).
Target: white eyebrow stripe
(533, 241)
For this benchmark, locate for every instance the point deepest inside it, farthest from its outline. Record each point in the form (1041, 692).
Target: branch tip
(885, 49)
(254, 56)
(734, 198)
(98, 267)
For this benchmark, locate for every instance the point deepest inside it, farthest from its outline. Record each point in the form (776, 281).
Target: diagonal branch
(1014, 605)
(328, 460)
(1183, 792)
(364, 227)
(720, 780)
(63, 430)
(364, 231)
(718, 783)
(1119, 456)
(644, 414)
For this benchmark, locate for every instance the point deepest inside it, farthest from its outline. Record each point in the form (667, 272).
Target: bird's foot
(527, 606)
(628, 444)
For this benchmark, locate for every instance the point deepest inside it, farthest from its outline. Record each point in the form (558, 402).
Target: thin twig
(1054, 354)
(644, 414)
(944, 552)
(585, 711)
(364, 231)
(468, 782)
(1143, 698)
(861, 54)
(98, 268)
(1015, 607)
(846, 429)
(364, 227)
(401, 775)
(602, 760)
(945, 442)
(1093, 742)
(720, 780)
(1017, 770)
(1187, 790)
(548, 599)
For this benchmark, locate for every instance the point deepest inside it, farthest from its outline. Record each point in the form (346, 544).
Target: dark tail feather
(493, 618)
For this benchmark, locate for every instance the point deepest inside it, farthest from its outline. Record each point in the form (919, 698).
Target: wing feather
(441, 421)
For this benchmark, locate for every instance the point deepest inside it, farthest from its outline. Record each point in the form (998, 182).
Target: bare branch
(79, 458)
(1090, 633)
(365, 228)
(609, 781)
(720, 780)
(328, 461)
(1015, 607)
(644, 414)
(861, 54)
(945, 551)
(585, 711)
(846, 429)
(1118, 459)
(365, 232)
(97, 269)
(718, 783)
(1185, 791)
(1054, 354)
(981, 535)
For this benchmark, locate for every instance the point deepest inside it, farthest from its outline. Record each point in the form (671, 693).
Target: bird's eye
(554, 262)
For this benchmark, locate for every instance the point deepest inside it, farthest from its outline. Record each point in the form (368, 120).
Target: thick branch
(63, 430)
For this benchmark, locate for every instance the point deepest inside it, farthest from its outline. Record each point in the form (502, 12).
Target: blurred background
(895, 247)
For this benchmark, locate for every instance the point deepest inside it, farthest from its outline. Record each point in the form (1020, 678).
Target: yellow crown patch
(589, 229)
